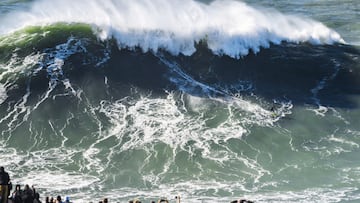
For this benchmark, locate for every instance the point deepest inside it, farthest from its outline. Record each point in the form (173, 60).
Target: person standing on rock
(4, 185)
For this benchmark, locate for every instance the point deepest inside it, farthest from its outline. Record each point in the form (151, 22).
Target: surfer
(272, 108)
(274, 112)
(4, 185)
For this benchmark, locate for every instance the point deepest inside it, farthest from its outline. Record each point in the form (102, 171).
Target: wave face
(148, 99)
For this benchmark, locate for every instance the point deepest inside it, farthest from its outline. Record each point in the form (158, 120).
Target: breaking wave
(133, 99)
(229, 27)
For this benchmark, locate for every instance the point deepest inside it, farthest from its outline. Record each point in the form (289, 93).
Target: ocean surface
(210, 100)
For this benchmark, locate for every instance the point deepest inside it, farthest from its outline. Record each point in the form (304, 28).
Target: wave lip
(229, 27)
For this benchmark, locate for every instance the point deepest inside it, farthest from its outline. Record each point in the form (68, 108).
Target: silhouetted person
(58, 199)
(47, 199)
(36, 198)
(33, 190)
(105, 200)
(27, 195)
(67, 199)
(4, 185)
(17, 194)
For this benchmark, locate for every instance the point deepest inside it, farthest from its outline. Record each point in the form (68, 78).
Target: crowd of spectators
(30, 195)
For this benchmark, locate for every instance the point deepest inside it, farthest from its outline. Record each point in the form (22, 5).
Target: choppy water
(212, 100)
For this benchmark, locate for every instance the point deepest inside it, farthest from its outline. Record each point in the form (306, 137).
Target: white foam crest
(3, 94)
(64, 181)
(30, 66)
(345, 194)
(147, 121)
(20, 110)
(333, 144)
(54, 62)
(156, 120)
(343, 141)
(9, 156)
(229, 27)
(17, 65)
(322, 110)
(255, 114)
(41, 168)
(9, 73)
(160, 120)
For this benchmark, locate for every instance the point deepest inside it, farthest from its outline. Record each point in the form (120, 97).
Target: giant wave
(210, 101)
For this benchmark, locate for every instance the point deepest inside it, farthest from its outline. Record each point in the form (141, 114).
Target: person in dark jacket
(4, 185)
(16, 195)
(27, 195)
(37, 198)
(58, 199)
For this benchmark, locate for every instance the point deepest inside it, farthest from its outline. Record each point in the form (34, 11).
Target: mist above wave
(228, 27)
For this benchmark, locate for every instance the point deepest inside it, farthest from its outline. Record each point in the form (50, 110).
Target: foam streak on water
(229, 27)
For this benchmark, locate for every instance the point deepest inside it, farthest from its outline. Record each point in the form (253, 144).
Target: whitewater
(229, 27)
(208, 100)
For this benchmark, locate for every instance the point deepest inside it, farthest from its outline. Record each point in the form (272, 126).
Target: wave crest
(229, 27)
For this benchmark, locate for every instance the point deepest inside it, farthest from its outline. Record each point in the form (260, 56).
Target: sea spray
(229, 27)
